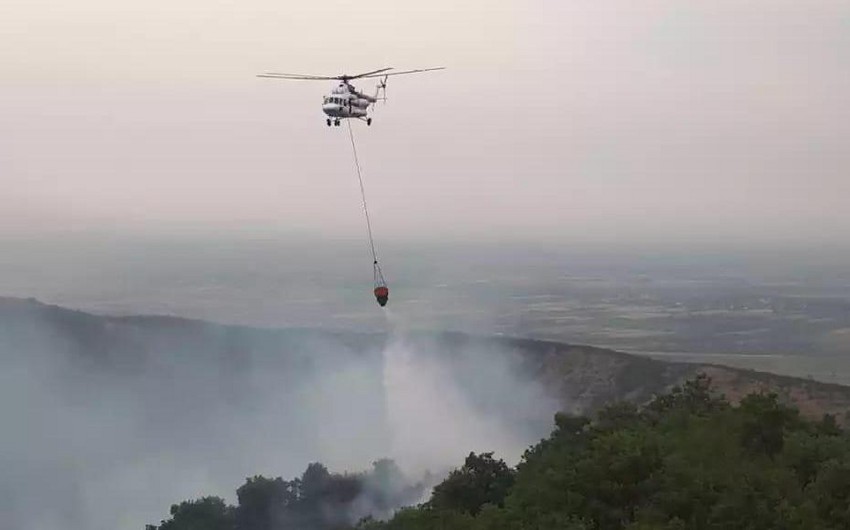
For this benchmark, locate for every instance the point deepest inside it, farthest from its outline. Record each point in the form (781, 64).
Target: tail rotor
(382, 87)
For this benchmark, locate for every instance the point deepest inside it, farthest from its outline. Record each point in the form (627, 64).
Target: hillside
(589, 378)
(686, 459)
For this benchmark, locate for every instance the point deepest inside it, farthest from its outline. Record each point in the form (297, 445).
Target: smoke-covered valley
(107, 421)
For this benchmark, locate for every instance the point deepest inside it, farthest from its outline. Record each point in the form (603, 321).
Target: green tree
(263, 502)
(206, 513)
(765, 422)
(481, 480)
(314, 480)
(694, 397)
(831, 492)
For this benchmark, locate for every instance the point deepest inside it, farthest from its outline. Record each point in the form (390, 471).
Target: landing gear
(368, 121)
(329, 122)
(336, 122)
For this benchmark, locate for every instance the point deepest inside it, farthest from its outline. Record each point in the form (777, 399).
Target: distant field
(826, 368)
(788, 313)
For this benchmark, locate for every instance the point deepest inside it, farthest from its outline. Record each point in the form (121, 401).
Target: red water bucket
(382, 294)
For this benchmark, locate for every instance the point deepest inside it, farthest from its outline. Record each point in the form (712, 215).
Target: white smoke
(165, 411)
(432, 414)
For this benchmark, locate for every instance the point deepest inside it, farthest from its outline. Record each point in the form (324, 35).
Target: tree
(206, 513)
(765, 421)
(481, 480)
(829, 426)
(617, 416)
(263, 502)
(693, 397)
(831, 492)
(314, 480)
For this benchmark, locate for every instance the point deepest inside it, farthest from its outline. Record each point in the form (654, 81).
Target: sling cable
(382, 292)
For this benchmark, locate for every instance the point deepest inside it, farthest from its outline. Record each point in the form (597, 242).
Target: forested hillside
(688, 459)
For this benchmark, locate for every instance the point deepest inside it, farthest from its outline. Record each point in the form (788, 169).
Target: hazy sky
(587, 118)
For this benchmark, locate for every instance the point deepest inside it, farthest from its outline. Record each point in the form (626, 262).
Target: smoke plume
(108, 421)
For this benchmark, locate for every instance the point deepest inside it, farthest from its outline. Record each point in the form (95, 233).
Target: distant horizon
(323, 242)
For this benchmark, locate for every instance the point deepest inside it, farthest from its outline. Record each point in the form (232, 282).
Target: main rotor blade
(367, 74)
(277, 75)
(406, 72)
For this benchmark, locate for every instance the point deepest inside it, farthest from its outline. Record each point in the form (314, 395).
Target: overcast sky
(568, 119)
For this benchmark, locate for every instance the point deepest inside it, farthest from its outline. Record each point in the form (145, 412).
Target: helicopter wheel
(328, 122)
(336, 123)
(368, 121)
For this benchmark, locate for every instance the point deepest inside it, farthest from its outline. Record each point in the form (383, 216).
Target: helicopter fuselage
(345, 101)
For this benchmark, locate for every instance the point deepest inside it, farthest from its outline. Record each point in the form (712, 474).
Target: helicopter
(345, 101)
